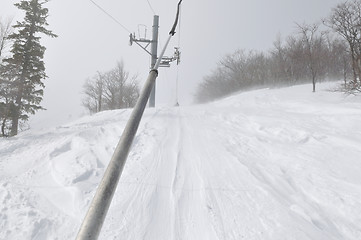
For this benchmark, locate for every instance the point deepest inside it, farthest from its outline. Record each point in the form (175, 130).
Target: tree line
(309, 55)
(113, 89)
(22, 69)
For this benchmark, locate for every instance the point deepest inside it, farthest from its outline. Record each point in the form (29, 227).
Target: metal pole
(93, 222)
(94, 219)
(154, 52)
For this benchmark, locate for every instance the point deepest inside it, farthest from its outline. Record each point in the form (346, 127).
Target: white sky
(90, 41)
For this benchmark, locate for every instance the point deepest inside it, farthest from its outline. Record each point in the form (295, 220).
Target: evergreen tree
(26, 62)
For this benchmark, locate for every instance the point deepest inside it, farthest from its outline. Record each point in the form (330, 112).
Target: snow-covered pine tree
(27, 61)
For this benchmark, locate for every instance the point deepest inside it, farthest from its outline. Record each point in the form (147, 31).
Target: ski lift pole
(94, 219)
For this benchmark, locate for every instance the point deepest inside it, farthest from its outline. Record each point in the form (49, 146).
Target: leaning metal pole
(94, 219)
(154, 52)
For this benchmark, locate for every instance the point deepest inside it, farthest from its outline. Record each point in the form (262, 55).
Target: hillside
(267, 164)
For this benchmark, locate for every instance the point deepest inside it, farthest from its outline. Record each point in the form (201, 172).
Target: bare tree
(111, 90)
(93, 90)
(6, 75)
(231, 68)
(314, 49)
(5, 30)
(216, 85)
(279, 63)
(132, 90)
(339, 62)
(345, 20)
(244, 69)
(116, 82)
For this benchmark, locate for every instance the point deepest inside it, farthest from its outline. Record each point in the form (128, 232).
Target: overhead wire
(126, 29)
(151, 8)
(179, 25)
(179, 46)
(109, 15)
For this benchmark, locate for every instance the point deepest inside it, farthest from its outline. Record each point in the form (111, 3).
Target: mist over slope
(267, 164)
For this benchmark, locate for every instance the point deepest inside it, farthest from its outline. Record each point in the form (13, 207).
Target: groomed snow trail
(267, 164)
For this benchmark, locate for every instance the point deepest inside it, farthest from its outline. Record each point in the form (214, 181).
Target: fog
(90, 41)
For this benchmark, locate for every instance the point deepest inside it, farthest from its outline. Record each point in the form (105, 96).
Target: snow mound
(267, 164)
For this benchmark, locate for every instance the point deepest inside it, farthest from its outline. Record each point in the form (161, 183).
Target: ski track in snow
(266, 164)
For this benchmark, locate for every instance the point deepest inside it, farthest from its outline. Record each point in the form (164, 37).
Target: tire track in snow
(148, 189)
(189, 188)
(162, 200)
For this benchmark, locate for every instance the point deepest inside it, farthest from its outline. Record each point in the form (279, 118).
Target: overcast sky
(90, 41)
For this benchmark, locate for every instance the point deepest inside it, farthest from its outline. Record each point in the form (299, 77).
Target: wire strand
(179, 26)
(151, 8)
(179, 46)
(114, 19)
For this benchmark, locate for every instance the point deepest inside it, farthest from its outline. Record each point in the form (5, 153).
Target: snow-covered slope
(266, 164)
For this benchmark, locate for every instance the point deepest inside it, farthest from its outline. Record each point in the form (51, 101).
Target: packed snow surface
(267, 164)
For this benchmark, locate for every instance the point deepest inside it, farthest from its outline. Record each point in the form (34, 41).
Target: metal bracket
(165, 62)
(137, 41)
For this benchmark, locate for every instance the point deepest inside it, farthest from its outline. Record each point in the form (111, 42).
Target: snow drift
(266, 164)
